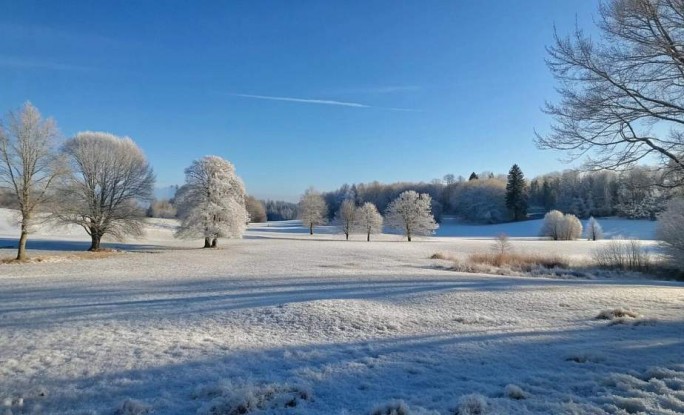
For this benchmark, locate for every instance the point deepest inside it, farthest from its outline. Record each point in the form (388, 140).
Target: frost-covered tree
(256, 209)
(571, 228)
(594, 231)
(671, 231)
(551, 226)
(411, 214)
(369, 219)
(482, 201)
(211, 203)
(109, 179)
(561, 227)
(516, 195)
(312, 209)
(29, 164)
(346, 217)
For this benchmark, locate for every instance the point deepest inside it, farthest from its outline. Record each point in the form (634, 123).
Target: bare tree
(502, 245)
(211, 204)
(29, 164)
(312, 209)
(411, 214)
(614, 92)
(110, 178)
(346, 217)
(369, 219)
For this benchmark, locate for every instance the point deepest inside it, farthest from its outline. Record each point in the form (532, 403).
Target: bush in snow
(628, 255)
(473, 404)
(561, 227)
(241, 400)
(616, 313)
(594, 231)
(671, 231)
(411, 214)
(133, 407)
(392, 408)
(514, 392)
(312, 209)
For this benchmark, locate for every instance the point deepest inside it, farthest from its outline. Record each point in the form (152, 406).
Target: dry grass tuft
(616, 313)
(519, 261)
(71, 256)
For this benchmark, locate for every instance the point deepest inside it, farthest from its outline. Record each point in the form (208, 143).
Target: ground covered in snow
(284, 323)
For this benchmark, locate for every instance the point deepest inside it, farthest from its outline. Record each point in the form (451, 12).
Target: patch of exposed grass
(519, 261)
(71, 256)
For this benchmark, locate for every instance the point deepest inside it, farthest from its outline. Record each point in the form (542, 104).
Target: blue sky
(296, 93)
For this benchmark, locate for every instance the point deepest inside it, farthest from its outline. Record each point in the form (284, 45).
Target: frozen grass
(284, 323)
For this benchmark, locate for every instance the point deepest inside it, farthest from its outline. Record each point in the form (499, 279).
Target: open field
(280, 322)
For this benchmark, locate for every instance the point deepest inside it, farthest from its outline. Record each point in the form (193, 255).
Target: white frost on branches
(312, 209)
(369, 220)
(211, 204)
(411, 214)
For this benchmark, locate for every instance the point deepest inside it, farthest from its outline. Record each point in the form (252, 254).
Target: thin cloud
(382, 89)
(22, 63)
(317, 101)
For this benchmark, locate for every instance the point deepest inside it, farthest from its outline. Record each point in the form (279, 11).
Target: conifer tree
(516, 196)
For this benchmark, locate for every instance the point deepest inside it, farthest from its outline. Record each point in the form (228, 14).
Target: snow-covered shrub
(514, 392)
(571, 228)
(620, 254)
(246, 399)
(612, 314)
(594, 232)
(392, 408)
(473, 404)
(561, 227)
(551, 226)
(133, 407)
(671, 231)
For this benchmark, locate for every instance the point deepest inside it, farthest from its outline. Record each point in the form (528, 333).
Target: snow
(284, 323)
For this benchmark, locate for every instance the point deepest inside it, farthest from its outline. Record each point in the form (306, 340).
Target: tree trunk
(311, 229)
(214, 243)
(346, 234)
(368, 237)
(21, 253)
(207, 243)
(95, 239)
(409, 238)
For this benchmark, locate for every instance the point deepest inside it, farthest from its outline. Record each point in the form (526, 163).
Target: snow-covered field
(284, 323)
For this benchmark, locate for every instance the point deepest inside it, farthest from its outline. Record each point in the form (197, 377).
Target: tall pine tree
(516, 196)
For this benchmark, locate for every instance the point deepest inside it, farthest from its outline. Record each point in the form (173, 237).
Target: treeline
(633, 194)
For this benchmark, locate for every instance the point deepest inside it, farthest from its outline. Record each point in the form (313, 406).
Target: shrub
(514, 392)
(502, 244)
(473, 404)
(561, 227)
(628, 255)
(518, 261)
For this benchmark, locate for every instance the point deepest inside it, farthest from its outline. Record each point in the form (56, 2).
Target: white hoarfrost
(312, 209)
(369, 220)
(287, 323)
(411, 214)
(211, 204)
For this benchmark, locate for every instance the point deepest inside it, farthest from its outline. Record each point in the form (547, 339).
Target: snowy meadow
(284, 322)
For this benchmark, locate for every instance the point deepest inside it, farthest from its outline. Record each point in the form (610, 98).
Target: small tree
(312, 209)
(473, 176)
(346, 217)
(552, 224)
(29, 164)
(671, 231)
(516, 196)
(369, 219)
(211, 204)
(411, 214)
(256, 210)
(109, 178)
(594, 231)
(502, 245)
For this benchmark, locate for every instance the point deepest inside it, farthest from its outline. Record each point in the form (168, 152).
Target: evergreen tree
(473, 176)
(516, 197)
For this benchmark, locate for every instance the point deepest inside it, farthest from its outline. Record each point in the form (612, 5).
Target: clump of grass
(616, 313)
(74, 256)
(442, 255)
(519, 261)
